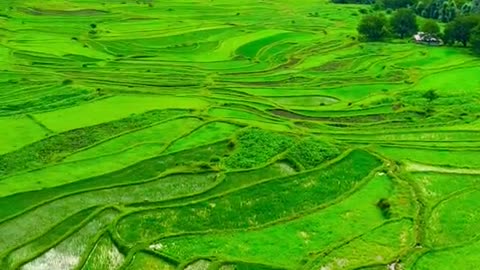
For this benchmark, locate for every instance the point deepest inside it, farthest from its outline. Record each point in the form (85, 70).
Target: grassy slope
(85, 125)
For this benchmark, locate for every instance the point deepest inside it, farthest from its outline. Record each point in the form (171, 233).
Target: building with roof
(427, 39)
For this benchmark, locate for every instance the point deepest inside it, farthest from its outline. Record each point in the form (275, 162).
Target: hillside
(219, 134)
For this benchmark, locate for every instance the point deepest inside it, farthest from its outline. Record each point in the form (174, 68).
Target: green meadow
(222, 135)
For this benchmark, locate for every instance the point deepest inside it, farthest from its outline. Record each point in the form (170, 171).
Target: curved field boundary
(156, 177)
(274, 159)
(104, 219)
(298, 215)
(130, 132)
(234, 229)
(22, 150)
(320, 254)
(129, 258)
(414, 262)
(211, 56)
(96, 212)
(76, 208)
(419, 167)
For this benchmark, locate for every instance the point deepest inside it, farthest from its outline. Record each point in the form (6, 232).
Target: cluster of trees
(443, 10)
(475, 40)
(446, 10)
(464, 29)
(403, 23)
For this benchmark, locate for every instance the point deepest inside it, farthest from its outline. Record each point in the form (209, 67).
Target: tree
(379, 5)
(353, 1)
(475, 6)
(431, 95)
(430, 8)
(431, 27)
(444, 10)
(396, 4)
(460, 29)
(447, 11)
(404, 22)
(475, 40)
(420, 8)
(466, 8)
(373, 27)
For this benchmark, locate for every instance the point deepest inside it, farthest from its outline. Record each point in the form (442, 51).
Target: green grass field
(222, 135)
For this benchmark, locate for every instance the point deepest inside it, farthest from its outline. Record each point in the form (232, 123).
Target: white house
(428, 39)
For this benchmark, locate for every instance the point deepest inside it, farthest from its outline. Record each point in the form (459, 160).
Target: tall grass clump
(254, 147)
(312, 152)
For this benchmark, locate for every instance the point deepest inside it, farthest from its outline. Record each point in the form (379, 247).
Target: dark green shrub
(431, 27)
(385, 207)
(396, 4)
(255, 147)
(373, 27)
(404, 22)
(475, 40)
(215, 159)
(312, 152)
(431, 95)
(461, 29)
(67, 82)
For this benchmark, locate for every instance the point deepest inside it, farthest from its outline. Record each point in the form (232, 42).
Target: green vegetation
(373, 27)
(431, 27)
(475, 39)
(69, 251)
(54, 148)
(404, 22)
(222, 135)
(460, 29)
(310, 152)
(462, 23)
(302, 236)
(256, 147)
(252, 206)
(104, 255)
(148, 261)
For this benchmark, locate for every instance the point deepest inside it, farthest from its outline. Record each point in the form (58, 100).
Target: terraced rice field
(219, 134)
